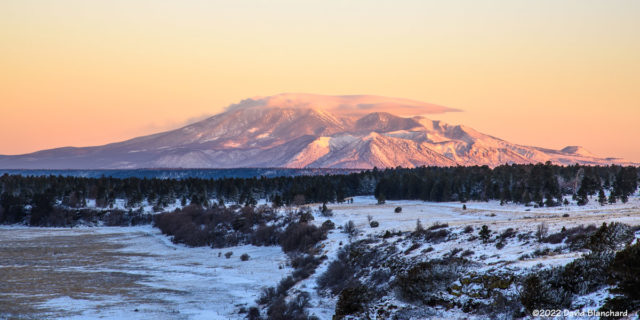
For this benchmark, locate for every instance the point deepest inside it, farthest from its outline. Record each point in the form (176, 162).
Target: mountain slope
(308, 131)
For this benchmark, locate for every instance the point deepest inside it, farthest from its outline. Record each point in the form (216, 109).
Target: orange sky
(547, 73)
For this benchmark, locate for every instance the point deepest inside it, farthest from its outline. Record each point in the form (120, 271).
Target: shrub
(339, 274)
(576, 237)
(294, 309)
(500, 245)
(541, 231)
(253, 314)
(352, 300)
(554, 288)
(485, 233)
(374, 224)
(398, 209)
(265, 236)
(228, 254)
(436, 236)
(467, 253)
(625, 271)
(350, 228)
(468, 229)
(301, 237)
(610, 237)
(328, 225)
(411, 248)
(325, 212)
(284, 285)
(244, 257)
(267, 296)
(426, 282)
(305, 265)
(543, 292)
(438, 225)
(508, 233)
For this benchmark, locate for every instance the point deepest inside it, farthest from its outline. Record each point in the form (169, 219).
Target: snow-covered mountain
(314, 131)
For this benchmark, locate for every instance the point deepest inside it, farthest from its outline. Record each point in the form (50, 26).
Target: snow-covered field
(127, 273)
(136, 272)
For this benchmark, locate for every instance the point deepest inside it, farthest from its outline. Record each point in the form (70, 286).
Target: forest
(55, 200)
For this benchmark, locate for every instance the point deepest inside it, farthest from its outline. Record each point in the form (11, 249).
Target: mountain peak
(577, 150)
(384, 122)
(308, 130)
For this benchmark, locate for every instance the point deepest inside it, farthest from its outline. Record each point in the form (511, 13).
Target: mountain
(308, 131)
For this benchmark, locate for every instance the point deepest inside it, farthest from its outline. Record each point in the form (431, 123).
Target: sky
(548, 73)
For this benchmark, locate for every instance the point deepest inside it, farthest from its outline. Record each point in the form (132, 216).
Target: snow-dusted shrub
(544, 291)
(397, 210)
(305, 265)
(468, 229)
(611, 237)
(438, 225)
(244, 257)
(228, 254)
(427, 282)
(541, 231)
(267, 296)
(285, 284)
(304, 215)
(374, 224)
(325, 212)
(350, 228)
(436, 236)
(380, 276)
(467, 253)
(218, 227)
(352, 300)
(625, 271)
(555, 288)
(508, 233)
(328, 225)
(339, 274)
(294, 309)
(412, 247)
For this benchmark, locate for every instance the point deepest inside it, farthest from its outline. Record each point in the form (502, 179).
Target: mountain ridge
(308, 131)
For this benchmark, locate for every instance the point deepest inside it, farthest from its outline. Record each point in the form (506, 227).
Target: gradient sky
(548, 73)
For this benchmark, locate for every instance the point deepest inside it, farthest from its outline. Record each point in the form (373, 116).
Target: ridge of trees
(23, 197)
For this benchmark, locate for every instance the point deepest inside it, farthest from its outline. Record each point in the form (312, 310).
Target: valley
(139, 273)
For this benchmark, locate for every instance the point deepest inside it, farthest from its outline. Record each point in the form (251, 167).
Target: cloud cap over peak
(343, 105)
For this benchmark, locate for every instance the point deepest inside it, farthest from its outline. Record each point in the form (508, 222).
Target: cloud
(156, 127)
(343, 105)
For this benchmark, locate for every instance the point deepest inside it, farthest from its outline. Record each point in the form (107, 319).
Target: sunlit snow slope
(309, 131)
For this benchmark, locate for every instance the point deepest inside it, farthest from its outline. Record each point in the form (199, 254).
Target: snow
(190, 283)
(195, 283)
(497, 217)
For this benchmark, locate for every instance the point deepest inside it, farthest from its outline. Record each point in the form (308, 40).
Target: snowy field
(137, 273)
(127, 273)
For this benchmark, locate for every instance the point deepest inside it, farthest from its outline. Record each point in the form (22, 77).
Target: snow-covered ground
(127, 273)
(136, 272)
(497, 217)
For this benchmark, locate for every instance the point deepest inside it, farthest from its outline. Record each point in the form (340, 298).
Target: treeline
(542, 184)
